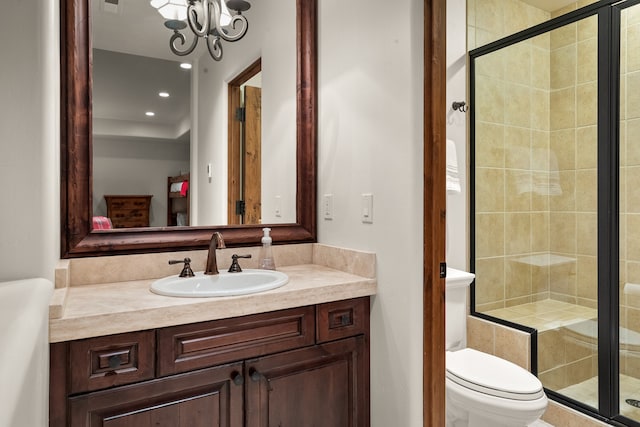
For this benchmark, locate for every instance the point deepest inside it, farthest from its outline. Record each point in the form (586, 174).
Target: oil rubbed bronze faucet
(217, 242)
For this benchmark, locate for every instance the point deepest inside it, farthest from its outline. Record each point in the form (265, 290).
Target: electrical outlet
(278, 207)
(327, 206)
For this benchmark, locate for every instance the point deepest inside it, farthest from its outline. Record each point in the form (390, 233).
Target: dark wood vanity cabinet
(306, 366)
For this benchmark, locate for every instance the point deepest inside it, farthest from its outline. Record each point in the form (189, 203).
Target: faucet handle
(186, 270)
(235, 267)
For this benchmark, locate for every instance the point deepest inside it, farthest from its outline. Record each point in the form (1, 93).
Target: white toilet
(483, 390)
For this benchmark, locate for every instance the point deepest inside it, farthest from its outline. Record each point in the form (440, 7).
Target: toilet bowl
(483, 390)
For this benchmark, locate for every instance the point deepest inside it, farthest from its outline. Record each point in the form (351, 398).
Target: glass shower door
(629, 336)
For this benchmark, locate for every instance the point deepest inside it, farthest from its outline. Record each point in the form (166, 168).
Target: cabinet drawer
(341, 319)
(98, 363)
(188, 347)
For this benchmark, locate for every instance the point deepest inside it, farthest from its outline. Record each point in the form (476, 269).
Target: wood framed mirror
(77, 237)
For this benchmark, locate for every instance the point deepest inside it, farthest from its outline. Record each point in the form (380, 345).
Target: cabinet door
(210, 397)
(321, 386)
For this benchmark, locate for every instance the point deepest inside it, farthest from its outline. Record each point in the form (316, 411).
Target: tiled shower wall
(535, 161)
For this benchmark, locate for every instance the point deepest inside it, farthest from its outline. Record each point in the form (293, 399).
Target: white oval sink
(220, 285)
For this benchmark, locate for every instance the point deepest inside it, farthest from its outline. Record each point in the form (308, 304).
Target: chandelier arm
(179, 36)
(200, 30)
(244, 25)
(215, 47)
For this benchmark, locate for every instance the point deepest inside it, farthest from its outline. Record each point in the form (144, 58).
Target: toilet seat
(490, 375)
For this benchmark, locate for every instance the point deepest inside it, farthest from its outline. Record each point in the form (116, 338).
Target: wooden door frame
(233, 152)
(435, 80)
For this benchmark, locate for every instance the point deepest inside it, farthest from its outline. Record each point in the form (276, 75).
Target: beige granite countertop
(97, 309)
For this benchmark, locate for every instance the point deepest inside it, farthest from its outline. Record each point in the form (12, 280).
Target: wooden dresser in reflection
(126, 211)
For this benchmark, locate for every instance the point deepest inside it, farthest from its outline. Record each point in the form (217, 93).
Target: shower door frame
(608, 211)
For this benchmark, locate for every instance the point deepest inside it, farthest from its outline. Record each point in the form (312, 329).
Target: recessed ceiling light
(185, 66)
(163, 94)
(150, 113)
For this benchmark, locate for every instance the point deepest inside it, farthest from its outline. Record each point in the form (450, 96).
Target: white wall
(370, 141)
(272, 38)
(129, 166)
(457, 220)
(29, 139)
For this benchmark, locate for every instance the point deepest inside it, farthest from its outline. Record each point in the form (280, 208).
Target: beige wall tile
(563, 67)
(540, 67)
(633, 101)
(480, 335)
(490, 284)
(471, 12)
(563, 36)
(489, 235)
(587, 237)
(632, 150)
(588, 28)
(489, 15)
(491, 65)
(587, 277)
(540, 109)
(489, 100)
(542, 41)
(489, 190)
(515, 199)
(551, 349)
(489, 145)
(517, 146)
(563, 146)
(562, 416)
(515, 16)
(580, 371)
(633, 16)
(540, 232)
(567, 200)
(513, 345)
(633, 236)
(586, 190)
(517, 105)
(518, 63)
(563, 279)
(587, 147)
(587, 104)
(587, 64)
(517, 279)
(632, 176)
(484, 37)
(563, 232)
(555, 379)
(563, 109)
(633, 48)
(518, 228)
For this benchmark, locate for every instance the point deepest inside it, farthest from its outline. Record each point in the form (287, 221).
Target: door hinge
(241, 114)
(443, 270)
(240, 207)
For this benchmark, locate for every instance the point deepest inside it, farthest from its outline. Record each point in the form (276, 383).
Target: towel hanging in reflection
(453, 180)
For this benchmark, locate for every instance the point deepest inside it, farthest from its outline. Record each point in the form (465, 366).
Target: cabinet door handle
(237, 378)
(255, 375)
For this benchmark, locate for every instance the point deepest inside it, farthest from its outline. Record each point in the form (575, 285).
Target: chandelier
(208, 19)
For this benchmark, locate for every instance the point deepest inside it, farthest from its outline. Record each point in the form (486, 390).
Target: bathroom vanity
(282, 357)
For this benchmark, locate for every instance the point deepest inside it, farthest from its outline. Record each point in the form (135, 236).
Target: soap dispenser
(266, 253)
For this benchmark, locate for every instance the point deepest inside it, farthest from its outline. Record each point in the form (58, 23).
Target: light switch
(367, 208)
(327, 206)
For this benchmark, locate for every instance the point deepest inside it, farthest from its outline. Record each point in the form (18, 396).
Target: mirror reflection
(162, 133)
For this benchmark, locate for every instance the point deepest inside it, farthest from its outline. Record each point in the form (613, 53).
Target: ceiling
(132, 63)
(549, 5)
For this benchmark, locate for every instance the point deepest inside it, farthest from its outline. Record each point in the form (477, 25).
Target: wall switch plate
(367, 208)
(278, 210)
(327, 206)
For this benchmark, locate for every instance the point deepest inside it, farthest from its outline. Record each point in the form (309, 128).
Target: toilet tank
(456, 290)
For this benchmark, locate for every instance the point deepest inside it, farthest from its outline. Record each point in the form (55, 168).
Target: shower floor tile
(587, 392)
(545, 315)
